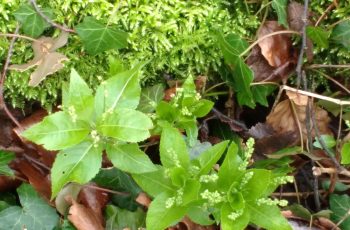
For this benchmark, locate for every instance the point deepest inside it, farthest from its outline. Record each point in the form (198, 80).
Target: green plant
(235, 196)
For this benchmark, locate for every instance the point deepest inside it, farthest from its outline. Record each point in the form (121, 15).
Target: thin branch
(18, 36)
(267, 36)
(303, 42)
(318, 66)
(318, 171)
(333, 80)
(329, 8)
(48, 20)
(2, 81)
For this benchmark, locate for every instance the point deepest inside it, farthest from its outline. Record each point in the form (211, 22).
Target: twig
(296, 194)
(329, 8)
(303, 43)
(314, 95)
(18, 36)
(318, 66)
(48, 20)
(333, 80)
(2, 82)
(107, 190)
(267, 36)
(318, 171)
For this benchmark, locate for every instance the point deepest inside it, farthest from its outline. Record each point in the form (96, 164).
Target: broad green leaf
(190, 126)
(208, 158)
(35, 213)
(159, 217)
(318, 36)
(291, 151)
(155, 183)
(341, 34)
(231, 46)
(150, 97)
(80, 97)
(117, 218)
(98, 37)
(121, 91)
(229, 171)
(116, 65)
(340, 205)
(78, 164)
(261, 92)
(280, 7)
(32, 23)
(172, 148)
(129, 158)
(189, 88)
(268, 217)
(125, 125)
(178, 176)
(328, 140)
(238, 223)
(5, 159)
(198, 148)
(202, 108)
(190, 191)
(256, 187)
(345, 153)
(167, 112)
(339, 187)
(199, 216)
(57, 131)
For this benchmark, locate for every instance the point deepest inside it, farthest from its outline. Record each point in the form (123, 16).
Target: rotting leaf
(45, 57)
(276, 49)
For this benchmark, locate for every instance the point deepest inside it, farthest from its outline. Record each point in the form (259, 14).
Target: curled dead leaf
(45, 57)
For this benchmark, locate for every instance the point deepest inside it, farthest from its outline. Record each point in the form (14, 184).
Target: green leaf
(98, 37)
(340, 205)
(167, 112)
(35, 213)
(261, 92)
(229, 170)
(80, 97)
(129, 158)
(150, 97)
(328, 140)
(5, 159)
(57, 131)
(191, 191)
(257, 185)
(345, 153)
(268, 217)
(199, 216)
(159, 217)
(339, 187)
(32, 23)
(300, 211)
(231, 46)
(125, 125)
(121, 91)
(318, 36)
(239, 223)
(341, 34)
(154, 183)
(202, 108)
(280, 7)
(291, 151)
(77, 164)
(190, 126)
(208, 158)
(117, 218)
(172, 148)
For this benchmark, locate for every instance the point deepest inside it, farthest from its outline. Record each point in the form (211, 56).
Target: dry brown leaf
(261, 68)
(282, 119)
(45, 57)
(297, 98)
(275, 49)
(82, 217)
(143, 199)
(70, 190)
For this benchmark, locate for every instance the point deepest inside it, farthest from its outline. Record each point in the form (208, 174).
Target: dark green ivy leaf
(280, 7)
(5, 159)
(341, 34)
(318, 36)
(98, 37)
(340, 205)
(32, 23)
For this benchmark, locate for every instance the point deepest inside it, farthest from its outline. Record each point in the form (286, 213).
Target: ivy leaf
(280, 6)
(130, 158)
(80, 97)
(268, 217)
(159, 217)
(98, 37)
(35, 213)
(318, 36)
(260, 93)
(121, 91)
(328, 140)
(340, 205)
(341, 34)
(150, 97)
(57, 131)
(154, 183)
(5, 159)
(126, 125)
(208, 158)
(172, 148)
(77, 164)
(45, 57)
(345, 154)
(32, 23)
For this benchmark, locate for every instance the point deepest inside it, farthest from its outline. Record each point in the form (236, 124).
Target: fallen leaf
(82, 217)
(143, 199)
(287, 114)
(70, 190)
(276, 49)
(45, 57)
